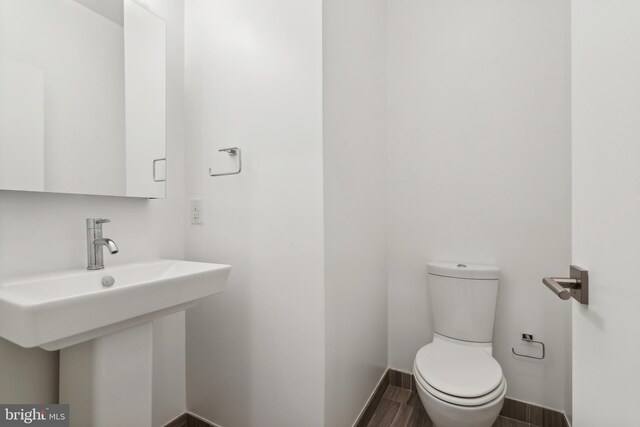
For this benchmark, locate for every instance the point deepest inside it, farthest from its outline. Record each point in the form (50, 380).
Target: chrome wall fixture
(528, 338)
(575, 286)
(232, 151)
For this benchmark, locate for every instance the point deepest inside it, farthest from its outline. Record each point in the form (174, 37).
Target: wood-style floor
(395, 403)
(401, 407)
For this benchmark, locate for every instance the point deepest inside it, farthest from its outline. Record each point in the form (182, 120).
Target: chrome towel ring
(232, 151)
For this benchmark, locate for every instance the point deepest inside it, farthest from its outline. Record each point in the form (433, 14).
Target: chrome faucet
(95, 242)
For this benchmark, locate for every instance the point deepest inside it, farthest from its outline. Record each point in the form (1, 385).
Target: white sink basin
(57, 310)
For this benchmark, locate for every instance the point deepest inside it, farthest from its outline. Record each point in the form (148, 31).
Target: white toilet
(459, 382)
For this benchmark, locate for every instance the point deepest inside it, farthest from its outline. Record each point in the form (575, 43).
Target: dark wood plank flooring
(395, 403)
(401, 407)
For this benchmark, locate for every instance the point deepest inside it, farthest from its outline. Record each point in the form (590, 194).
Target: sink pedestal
(108, 381)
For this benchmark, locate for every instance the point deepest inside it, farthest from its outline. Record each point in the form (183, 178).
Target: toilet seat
(497, 393)
(458, 374)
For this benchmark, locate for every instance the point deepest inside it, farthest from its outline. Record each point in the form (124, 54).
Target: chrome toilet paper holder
(529, 339)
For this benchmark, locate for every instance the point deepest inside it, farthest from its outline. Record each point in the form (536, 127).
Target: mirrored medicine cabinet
(82, 97)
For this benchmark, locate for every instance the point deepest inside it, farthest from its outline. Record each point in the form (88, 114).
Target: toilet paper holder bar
(529, 339)
(575, 286)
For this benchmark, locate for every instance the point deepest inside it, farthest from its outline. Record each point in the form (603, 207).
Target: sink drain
(108, 281)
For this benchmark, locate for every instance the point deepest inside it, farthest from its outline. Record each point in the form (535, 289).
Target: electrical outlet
(196, 211)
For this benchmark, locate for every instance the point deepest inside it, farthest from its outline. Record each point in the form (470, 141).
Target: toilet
(459, 382)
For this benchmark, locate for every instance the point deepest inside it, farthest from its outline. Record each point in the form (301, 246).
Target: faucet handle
(96, 222)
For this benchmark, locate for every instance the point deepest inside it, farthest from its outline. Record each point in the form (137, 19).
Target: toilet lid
(458, 370)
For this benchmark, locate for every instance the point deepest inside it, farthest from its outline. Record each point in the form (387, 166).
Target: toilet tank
(463, 300)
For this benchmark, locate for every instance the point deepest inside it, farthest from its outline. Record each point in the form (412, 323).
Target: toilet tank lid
(463, 270)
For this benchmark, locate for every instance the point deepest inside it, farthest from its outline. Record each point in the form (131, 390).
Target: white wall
(478, 149)
(255, 353)
(606, 208)
(45, 232)
(354, 204)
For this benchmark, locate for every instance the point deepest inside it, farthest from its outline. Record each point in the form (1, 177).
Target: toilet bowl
(459, 382)
(459, 385)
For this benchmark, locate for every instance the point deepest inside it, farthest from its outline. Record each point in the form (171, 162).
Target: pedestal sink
(104, 332)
